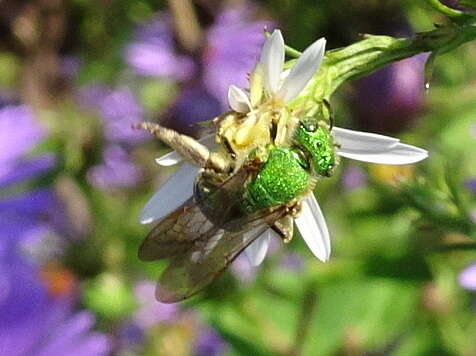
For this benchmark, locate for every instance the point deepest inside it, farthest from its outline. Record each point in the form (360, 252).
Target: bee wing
(208, 256)
(175, 234)
(203, 236)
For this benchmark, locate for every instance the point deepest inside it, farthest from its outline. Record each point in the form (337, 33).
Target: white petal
(302, 71)
(238, 100)
(172, 158)
(396, 155)
(173, 193)
(272, 60)
(256, 251)
(169, 159)
(313, 228)
(351, 140)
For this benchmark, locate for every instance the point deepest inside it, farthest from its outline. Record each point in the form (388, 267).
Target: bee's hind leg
(284, 227)
(186, 146)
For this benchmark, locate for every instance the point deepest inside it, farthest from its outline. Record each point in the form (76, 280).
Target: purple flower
(118, 109)
(292, 261)
(450, 3)
(389, 99)
(231, 49)
(30, 211)
(19, 133)
(233, 46)
(116, 170)
(150, 311)
(467, 278)
(34, 323)
(153, 53)
(354, 177)
(193, 105)
(24, 169)
(90, 97)
(40, 207)
(471, 185)
(209, 343)
(455, 4)
(70, 66)
(129, 337)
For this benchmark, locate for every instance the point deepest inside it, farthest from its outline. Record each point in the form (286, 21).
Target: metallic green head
(316, 140)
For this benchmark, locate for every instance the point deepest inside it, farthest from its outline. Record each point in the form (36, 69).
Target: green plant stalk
(373, 53)
(438, 6)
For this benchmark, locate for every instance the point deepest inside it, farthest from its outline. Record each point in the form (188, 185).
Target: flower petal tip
(145, 220)
(238, 100)
(272, 61)
(313, 228)
(256, 251)
(170, 159)
(303, 70)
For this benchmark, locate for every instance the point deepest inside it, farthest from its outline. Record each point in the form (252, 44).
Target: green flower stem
(291, 52)
(306, 318)
(437, 5)
(373, 53)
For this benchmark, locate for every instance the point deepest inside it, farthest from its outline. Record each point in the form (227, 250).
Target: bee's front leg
(186, 146)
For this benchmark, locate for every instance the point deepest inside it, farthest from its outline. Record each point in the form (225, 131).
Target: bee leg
(186, 146)
(284, 227)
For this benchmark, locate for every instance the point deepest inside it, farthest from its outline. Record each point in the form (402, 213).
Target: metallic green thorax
(282, 178)
(316, 140)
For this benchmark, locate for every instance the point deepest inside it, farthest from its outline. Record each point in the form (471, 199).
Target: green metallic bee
(268, 154)
(233, 204)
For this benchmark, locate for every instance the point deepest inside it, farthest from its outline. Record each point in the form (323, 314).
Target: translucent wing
(208, 256)
(195, 217)
(200, 242)
(175, 235)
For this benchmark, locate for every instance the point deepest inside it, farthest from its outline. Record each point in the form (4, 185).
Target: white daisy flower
(280, 86)
(361, 146)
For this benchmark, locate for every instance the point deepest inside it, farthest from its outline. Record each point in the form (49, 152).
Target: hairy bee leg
(186, 146)
(284, 227)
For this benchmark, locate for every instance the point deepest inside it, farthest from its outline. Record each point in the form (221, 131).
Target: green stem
(291, 52)
(438, 6)
(374, 52)
(308, 309)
